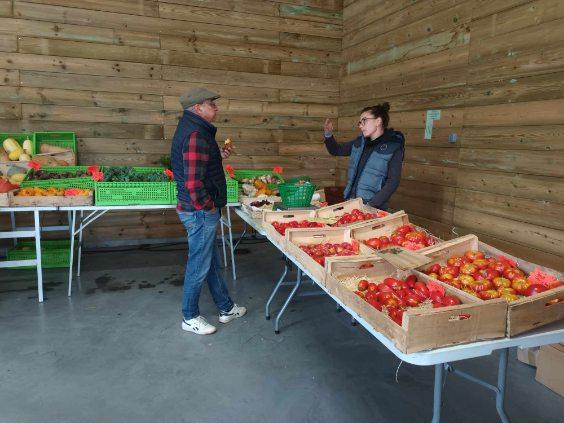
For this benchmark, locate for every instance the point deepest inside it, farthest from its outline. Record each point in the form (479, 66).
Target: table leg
(73, 225)
(38, 255)
(281, 312)
(501, 380)
(13, 221)
(79, 258)
(231, 243)
(278, 284)
(221, 224)
(437, 397)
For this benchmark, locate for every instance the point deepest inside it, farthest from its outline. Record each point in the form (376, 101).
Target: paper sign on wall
(432, 115)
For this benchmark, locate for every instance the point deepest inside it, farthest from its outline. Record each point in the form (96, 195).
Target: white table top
(28, 209)
(139, 207)
(254, 223)
(550, 334)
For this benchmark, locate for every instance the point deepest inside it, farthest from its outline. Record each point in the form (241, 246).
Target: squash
(10, 144)
(16, 178)
(15, 154)
(24, 157)
(27, 147)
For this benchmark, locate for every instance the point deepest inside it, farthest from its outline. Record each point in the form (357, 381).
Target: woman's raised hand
(328, 127)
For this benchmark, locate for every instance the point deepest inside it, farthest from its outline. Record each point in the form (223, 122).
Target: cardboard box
(550, 367)
(524, 314)
(421, 328)
(528, 355)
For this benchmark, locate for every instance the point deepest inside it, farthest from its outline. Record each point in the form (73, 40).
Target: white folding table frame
(95, 212)
(32, 232)
(441, 358)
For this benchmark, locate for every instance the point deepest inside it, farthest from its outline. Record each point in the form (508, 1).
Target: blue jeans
(203, 263)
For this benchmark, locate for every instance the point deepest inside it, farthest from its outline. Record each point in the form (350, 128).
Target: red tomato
(447, 277)
(509, 297)
(468, 269)
(437, 305)
(411, 300)
(370, 295)
(455, 261)
(450, 300)
(497, 266)
(420, 286)
(411, 278)
(520, 285)
(481, 263)
(500, 282)
(435, 268)
(535, 289)
(362, 285)
(372, 287)
(375, 304)
(504, 290)
(436, 297)
(466, 280)
(433, 275)
(382, 287)
(473, 255)
(482, 285)
(383, 296)
(391, 302)
(488, 294)
(393, 283)
(397, 239)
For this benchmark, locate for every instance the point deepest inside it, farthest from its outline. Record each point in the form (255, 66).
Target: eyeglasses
(210, 103)
(362, 121)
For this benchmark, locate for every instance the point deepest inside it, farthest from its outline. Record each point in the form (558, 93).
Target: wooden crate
(385, 227)
(295, 238)
(421, 329)
(337, 210)
(283, 216)
(5, 198)
(50, 201)
(254, 212)
(524, 314)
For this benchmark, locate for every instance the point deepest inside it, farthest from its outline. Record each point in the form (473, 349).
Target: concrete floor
(115, 352)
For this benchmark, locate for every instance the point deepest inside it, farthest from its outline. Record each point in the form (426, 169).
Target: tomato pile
(404, 236)
(358, 216)
(487, 277)
(319, 251)
(282, 226)
(393, 295)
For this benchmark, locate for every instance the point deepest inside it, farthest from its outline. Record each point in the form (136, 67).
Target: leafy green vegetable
(127, 174)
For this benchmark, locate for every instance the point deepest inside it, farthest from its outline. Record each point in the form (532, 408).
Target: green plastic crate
(232, 191)
(294, 195)
(80, 182)
(59, 139)
(131, 193)
(148, 169)
(54, 253)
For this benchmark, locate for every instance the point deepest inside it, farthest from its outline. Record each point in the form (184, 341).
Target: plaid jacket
(197, 165)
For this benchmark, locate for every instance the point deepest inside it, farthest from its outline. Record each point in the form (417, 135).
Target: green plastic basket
(232, 191)
(296, 195)
(54, 253)
(80, 182)
(132, 193)
(59, 139)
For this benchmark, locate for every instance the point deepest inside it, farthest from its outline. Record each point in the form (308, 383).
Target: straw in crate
(385, 298)
(535, 294)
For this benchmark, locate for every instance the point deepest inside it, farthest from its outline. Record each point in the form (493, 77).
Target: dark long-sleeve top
(392, 181)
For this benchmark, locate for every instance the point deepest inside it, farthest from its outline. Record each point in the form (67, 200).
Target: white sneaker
(198, 325)
(234, 313)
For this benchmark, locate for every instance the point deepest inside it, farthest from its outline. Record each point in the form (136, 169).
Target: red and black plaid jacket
(197, 165)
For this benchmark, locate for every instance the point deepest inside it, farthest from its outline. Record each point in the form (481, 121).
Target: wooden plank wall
(112, 71)
(496, 71)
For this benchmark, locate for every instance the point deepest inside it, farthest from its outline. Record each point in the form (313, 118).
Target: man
(196, 162)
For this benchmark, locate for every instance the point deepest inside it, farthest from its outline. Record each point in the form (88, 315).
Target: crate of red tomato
(350, 212)
(395, 230)
(276, 223)
(311, 247)
(535, 294)
(415, 313)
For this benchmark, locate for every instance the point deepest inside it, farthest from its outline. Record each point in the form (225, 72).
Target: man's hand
(328, 127)
(226, 152)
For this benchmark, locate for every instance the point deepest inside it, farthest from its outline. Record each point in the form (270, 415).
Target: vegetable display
(393, 296)
(52, 192)
(15, 151)
(42, 175)
(259, 185)
(489, 277)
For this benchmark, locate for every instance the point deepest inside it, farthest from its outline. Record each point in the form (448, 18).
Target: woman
(375, 157)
